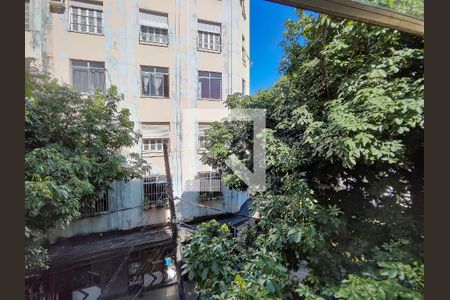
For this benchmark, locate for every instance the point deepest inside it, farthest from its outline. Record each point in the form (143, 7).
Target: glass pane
(79, 63)
(96, 64)
(204, 87)
(157, 84)
(97, 80)
(80, 80)
(152, 85)
(145, 84)
(83, 20)
(91, 20)
(162, 70)
(166, 86)
(215, 88)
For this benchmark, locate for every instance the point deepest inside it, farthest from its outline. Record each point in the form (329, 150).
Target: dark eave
(367, 13)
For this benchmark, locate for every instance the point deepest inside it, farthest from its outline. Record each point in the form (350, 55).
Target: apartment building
(167, 58)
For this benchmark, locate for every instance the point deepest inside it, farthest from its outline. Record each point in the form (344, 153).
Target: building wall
(50, 41)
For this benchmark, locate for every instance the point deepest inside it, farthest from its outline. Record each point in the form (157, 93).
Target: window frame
(210, 37)
(208, 194)
(27, 16)
(244, 52)
(209, 85)
(159, 180)
(201, 138)
(156, 142)
(87, 25)
(102, 206)
(153, 43)
(155, 73)
(88, 68)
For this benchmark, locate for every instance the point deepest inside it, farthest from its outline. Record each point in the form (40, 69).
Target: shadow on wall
(190, 205)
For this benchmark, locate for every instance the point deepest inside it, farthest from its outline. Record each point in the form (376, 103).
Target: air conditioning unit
(56, 3)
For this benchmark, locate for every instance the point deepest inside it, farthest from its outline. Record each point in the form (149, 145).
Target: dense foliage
(342, 216)
(73, 154)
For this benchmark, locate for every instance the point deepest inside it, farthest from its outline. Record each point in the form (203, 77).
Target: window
(244, 15)
(243, 87)
(27, 15)
(244, 53)
(201, 136)
(154, 28)
(154, 145)
(209, 36)
(155, 81)
(210, 186)
(154, 136)
(99, 205)
(88, 20)
(209, 85)
(87, 76)
(155, 191)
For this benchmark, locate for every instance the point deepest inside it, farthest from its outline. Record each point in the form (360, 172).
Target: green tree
(344, 153)
(73, 153)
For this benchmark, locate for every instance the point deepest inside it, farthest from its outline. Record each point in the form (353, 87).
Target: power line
(151, 271)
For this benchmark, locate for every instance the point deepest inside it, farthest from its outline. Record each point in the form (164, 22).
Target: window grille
(154, 35)
(209, 36)
(201, 136)
(27, 15)
(154, 145)
(87, 76)
(99, 205)
(244, 15)
(86, 20)
(244, 52)
(155, 191)
(210, 186)
(209, 85)
(154, 27)
(155, 81)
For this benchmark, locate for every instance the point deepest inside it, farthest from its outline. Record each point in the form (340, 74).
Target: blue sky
(266, 32)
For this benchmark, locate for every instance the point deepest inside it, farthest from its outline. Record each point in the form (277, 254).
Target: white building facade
(167, 58)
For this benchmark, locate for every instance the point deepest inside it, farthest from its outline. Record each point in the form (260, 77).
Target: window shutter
(86, 5)
(208, 27)
(153, 20)
(155, 131)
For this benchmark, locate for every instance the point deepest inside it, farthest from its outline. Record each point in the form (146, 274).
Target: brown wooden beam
(363, 12)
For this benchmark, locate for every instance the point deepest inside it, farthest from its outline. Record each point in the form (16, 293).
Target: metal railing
(210, 186)
(100, 205)
(155, 191)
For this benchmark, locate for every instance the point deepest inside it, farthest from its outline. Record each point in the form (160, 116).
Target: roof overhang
(367, 13)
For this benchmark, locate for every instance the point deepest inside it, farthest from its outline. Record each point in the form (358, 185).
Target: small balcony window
(155, 81)
(88, 76)
(27, 15)
(155, 191)
(154, 28)
(210, 186)
(98, 206)
(209, 36)
(154, 145)
(86, 20)
(209, 85)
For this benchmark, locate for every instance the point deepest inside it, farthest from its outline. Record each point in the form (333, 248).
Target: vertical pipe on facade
(179, 175)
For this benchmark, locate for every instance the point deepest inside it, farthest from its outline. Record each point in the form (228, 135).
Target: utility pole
(173, 221)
